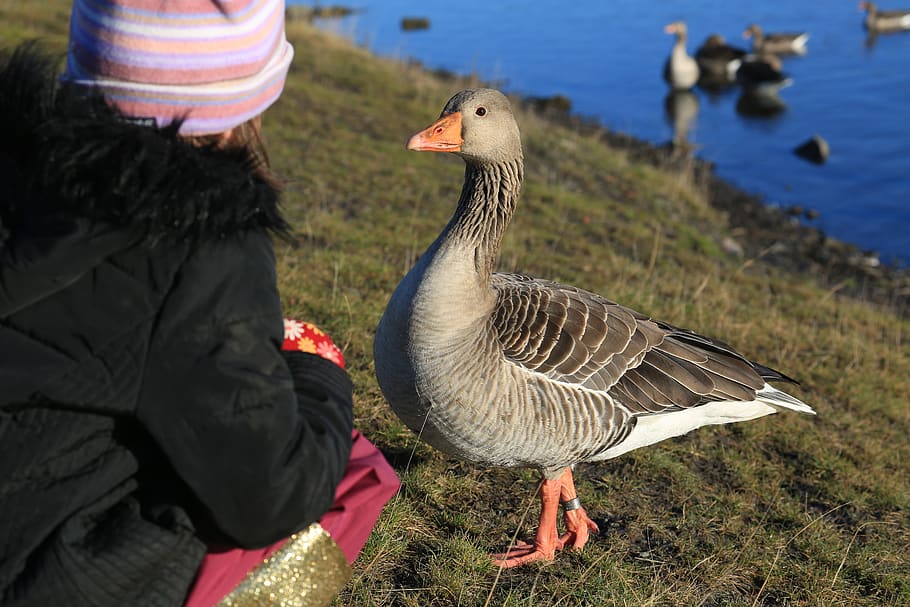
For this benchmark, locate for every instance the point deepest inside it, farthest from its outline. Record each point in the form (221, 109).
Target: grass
(787, 510)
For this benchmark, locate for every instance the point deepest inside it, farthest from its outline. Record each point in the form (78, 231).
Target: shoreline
(766, 232)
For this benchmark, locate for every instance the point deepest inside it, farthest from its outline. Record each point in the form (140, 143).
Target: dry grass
(787, 510)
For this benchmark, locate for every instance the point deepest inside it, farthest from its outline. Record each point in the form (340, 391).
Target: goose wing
(574, 336)
(894, 17)
(784, 36)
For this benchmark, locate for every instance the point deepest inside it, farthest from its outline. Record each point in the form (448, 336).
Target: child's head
(211, 65)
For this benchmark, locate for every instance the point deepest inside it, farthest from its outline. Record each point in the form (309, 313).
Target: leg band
(572, 504)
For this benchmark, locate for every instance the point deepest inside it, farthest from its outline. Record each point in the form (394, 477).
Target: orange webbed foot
(523, 553)
(578, 529)
(553, 493)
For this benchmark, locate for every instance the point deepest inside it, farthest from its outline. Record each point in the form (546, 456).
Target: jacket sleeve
(260, 436)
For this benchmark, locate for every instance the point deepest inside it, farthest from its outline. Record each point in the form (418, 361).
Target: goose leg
(578, 525)
(547, 540)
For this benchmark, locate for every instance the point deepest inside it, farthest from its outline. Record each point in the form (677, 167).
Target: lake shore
(772, 233)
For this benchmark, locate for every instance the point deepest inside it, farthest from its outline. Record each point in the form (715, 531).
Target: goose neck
(488, 199)
(681, 40)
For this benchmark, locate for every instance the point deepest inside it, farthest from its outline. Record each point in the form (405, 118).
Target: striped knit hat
(213, 64)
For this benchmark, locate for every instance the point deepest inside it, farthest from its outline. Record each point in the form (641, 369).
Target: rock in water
(814, 150)
(414, 23)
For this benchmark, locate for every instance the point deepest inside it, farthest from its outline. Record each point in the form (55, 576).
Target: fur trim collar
(65, 154)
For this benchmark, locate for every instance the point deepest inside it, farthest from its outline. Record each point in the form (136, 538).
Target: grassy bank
(787, 510)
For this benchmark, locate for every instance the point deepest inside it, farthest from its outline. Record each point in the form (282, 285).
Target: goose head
(753, 31)
(678, 28)
(476, 124)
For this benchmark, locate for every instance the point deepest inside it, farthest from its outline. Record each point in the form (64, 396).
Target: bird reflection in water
(760, 102)
(681, 109)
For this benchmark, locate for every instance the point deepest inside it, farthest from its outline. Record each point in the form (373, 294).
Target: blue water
(607, 57)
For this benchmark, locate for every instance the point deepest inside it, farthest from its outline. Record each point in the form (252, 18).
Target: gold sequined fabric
(307, 571)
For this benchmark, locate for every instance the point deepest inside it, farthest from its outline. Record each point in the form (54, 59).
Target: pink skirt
(368, 483)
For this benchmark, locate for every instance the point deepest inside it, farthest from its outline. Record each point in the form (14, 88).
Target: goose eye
(481, 111)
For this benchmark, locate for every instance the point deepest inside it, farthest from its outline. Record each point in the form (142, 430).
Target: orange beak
(444, 135)
(670, 29)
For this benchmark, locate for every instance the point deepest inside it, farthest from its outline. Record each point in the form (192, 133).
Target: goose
(762, 71)
(884, 21)
(680, 70)
(778, 43)
(718, 61)
(509, 370)
(762, 78)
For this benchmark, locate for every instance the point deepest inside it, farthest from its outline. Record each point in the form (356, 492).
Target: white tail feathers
(650, 429)
(778, 399)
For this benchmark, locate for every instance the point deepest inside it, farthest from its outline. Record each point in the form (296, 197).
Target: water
(607, 57)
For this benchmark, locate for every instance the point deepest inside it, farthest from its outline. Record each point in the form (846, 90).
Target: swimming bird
(505, 369)
(884, 21)
(762, 71)
(718, 61)
(680, 70)
(778, 43)
(762, 78)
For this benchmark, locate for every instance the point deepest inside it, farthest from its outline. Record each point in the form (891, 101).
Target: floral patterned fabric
(307, 337)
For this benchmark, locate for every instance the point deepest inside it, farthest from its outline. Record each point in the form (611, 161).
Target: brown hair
(246, 136)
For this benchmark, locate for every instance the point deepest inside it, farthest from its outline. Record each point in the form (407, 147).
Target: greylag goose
(763, 70)
(762, 78)
(884, 21)
(508, 370)
(778, 43)
(680, 70)
(718, 61)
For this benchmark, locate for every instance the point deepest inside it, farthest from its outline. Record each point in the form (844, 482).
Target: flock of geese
(504, 369)
(759, 71)
(717, 64)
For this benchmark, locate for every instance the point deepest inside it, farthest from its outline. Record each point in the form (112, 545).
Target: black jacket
(146, 408)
